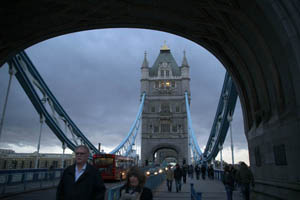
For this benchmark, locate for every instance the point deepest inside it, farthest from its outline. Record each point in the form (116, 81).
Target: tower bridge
(164, 118)
(257, 41)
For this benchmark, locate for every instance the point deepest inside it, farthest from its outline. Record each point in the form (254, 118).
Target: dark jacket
(89, 185)
(184, 170)
(146, 192)
(244, 176)
(178, 173)
(228, 179)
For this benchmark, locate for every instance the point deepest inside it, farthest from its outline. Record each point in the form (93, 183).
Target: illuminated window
(168, 84)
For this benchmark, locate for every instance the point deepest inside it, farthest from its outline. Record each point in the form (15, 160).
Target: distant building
(12, 160)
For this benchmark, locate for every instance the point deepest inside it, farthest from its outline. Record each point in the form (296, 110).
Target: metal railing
(218, 174)
(17, 181)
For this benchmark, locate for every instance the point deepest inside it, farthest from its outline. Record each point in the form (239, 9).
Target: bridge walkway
(211, 190)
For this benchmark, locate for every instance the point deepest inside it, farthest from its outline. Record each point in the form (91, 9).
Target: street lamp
(229, 118)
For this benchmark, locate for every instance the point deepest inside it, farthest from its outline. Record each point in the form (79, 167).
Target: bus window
(104, 162)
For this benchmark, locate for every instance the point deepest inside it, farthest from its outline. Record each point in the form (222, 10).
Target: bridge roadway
(211, 190)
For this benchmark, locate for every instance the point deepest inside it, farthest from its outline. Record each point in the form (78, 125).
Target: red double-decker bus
(113, 167)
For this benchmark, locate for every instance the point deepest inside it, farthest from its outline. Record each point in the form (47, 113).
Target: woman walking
(134, 187)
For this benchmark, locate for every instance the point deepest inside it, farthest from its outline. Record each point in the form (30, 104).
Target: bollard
(195, 195)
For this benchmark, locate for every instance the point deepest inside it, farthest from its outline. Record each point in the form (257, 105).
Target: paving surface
(210, 189)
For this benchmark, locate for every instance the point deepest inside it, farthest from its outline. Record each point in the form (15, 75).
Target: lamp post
(229, 118)
(39, 142)
(221, 158)
(63, 155)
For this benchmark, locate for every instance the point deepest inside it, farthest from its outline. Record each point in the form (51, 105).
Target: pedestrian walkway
(211, 190)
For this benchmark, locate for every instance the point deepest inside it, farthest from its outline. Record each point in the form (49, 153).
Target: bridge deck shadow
(211, 189)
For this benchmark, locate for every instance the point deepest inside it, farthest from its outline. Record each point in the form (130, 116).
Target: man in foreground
(81, 181)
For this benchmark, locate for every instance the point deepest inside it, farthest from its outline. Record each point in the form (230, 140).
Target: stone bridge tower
(164, 118)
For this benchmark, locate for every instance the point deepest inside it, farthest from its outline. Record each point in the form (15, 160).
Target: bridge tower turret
(145, 75)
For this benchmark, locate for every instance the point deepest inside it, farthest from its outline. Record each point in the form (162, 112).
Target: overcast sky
(95, 75)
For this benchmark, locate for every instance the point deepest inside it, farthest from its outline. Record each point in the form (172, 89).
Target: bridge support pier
(274, 158)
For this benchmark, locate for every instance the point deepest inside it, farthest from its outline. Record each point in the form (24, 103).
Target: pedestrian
(191, 171)
(203, 171)
(197, 170)
(81, 181)
(233, 171)
(244, 178)
(134, 188)
(178, 177)
(170, 178)
(228, 181)
(210, 172)
(184, 172)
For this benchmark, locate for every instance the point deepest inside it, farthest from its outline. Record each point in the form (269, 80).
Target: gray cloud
(95, 75)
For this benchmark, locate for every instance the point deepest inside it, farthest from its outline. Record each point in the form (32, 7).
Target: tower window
(167, 73)
(165, 128)
(174, 128)
(168, 84)
(165, 107)
(153, 109)
(162, 73)
(279, 154)
(173, 84)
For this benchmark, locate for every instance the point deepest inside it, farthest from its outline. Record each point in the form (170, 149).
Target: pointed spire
(145, 62)
(165, 47)
(184, 61)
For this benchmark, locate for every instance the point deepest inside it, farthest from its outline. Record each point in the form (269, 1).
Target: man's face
(81, 155)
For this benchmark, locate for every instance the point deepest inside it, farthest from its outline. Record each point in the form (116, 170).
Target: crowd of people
(234, 177)
(83, 181)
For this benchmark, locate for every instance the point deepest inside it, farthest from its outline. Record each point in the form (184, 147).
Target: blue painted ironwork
(125, 147)
(30, 79)
(193, 144)
(220, 126)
